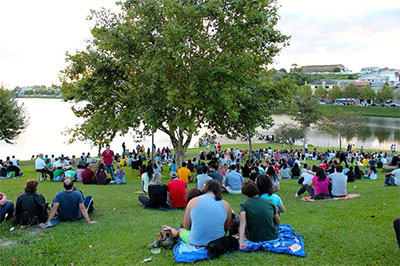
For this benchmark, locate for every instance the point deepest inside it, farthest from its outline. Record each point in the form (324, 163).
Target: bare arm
(311, 183)
(281, 208)
(242, 227)
(85, 214)
(53, 211)
(229, 215)
(277, 219)
(186, 219)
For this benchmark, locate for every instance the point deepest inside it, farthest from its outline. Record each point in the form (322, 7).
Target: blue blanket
(288, 243)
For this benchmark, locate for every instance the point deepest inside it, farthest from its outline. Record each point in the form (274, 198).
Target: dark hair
(233, 167)
(204, 169)
(339, 168)
(271, 172)
(215, 187)
(183, 164)
(321, 174)
(249, 189)
(31, 186)
(68, 184)
(264, 184)
(193, 193)
(101, 166)
(149, 169)
(373, 169)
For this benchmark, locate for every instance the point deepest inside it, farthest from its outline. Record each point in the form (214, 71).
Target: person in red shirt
(177, 191)
(108, 160)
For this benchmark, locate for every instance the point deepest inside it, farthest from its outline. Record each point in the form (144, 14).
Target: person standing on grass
(258, 216)
(69, 205)
(108, 159)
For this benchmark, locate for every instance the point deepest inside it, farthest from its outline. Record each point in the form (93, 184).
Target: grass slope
(343, 232)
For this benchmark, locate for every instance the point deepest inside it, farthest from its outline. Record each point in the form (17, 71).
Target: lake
(49, 118)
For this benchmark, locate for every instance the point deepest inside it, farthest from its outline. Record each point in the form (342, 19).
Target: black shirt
(253, 176)
(158, 196)
(30, 209)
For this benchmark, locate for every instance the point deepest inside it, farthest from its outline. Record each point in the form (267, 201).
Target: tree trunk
(99, 152)
(152, 147)
(250, 146)
(340, 142)
(180, 148)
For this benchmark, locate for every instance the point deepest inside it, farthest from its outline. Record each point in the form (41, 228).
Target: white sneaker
(112, 182)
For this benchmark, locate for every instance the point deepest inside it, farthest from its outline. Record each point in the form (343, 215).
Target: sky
(35, 35)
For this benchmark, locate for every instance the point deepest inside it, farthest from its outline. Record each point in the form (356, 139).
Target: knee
(396, 223)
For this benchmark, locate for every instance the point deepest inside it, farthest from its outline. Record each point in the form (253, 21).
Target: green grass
(362, 110)
(343, 232)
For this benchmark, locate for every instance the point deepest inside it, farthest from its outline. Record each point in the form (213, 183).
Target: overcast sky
(34, 35)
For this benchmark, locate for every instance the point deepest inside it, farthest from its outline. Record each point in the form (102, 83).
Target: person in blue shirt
(69, 205)
(233, 181)
(265, 190)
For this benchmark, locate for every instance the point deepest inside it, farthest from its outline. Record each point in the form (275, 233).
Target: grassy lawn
(362, 110)
(343, 232)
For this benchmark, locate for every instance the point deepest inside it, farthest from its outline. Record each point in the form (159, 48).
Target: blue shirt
(275, 199)
(234, 180)
(208, 221)
(69, 205)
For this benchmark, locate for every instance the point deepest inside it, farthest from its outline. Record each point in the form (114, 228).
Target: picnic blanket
(348, 196)
(287, 243)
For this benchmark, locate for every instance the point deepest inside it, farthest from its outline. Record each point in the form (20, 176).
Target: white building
(369, 70)
(392, 75)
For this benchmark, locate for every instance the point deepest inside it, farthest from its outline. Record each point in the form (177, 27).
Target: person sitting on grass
(351, 176)
(203, 177)
(339, 182)
(119, 175)
(147, 177)
(58, 173)
(258, 216)
(275, 181)
(87, 176)
(372, 173)
(233, 181)
(393, 178)
(11, 168)
(295, 171)
(206, 218)
(101, 176)
(69, 172)
(177, 191)
(6, 208)
(69, 205)
(321, 185)
(184, 173)
(157, 193)
(31, 207)
(265, 188)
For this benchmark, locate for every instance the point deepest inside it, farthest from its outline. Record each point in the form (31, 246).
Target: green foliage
(385, 93)
(335, 93)
(368, 93)
(13, 118)
(289, 133)
(340, 123)
(175, 66)
(304, 92)
(321, 92)
(351, 91)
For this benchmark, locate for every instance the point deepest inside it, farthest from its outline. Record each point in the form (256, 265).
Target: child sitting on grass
(258, 216)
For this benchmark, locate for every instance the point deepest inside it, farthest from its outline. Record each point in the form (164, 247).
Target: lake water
(49, 118)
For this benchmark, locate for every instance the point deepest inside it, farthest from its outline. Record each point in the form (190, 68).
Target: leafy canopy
(175, 66)
(13, 117)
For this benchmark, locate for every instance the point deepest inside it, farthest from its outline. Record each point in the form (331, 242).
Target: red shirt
(177, 193)
(108, 157)
(87, 176)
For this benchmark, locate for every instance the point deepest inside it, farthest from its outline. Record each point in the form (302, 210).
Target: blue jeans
(56, 220)
(110, 168)
(8, 209)
(389, 181)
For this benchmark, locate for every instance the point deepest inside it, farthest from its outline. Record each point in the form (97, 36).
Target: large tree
(335, 93)
(13, 117)
(174, 66)
(367, 93)
(320, 92)
(289, 133)
(351, 91)
(340, 124)
(385, 93)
